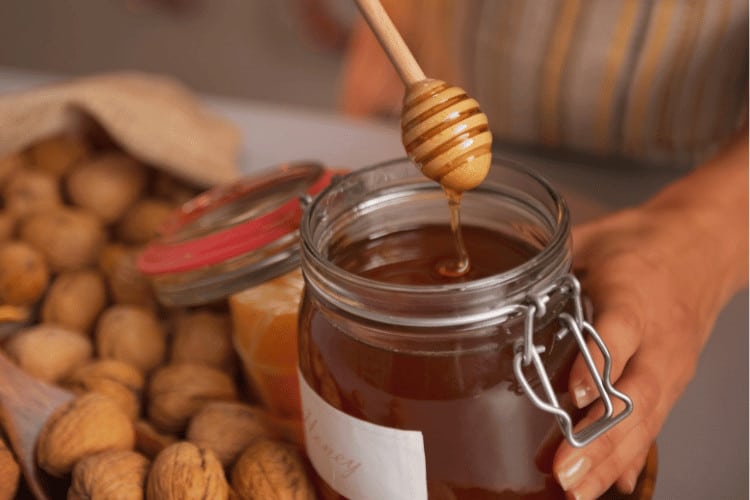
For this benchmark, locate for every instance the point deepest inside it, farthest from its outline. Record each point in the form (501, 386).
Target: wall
(247, 48)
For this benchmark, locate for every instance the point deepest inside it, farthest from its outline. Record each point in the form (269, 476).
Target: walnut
(204, 337)
(75, 299)
(47, 351)
(89, 424)
(23, 273)
(271, 469)
(126, 283)
(14, 314)
(109, 475)
(9, 165)
(69, 238)
(150, 441)
(184, 470)
(227, 428)
(142, 221)
(122, 382)
(107, 185)
(7, 225)
(172, 189)
(57, 155)
(131, 334)
(28, 191)
(9, 472)
(179, 391)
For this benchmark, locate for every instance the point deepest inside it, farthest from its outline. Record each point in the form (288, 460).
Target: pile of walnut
(160, 413)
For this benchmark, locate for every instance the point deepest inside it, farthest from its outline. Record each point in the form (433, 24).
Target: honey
(417, 257)
(463, 399)
(264, 318)
(460, 264)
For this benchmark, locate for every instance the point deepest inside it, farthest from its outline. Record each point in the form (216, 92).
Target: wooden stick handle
(393, 44)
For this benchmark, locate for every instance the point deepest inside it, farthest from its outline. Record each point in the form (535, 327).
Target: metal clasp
(527, 353)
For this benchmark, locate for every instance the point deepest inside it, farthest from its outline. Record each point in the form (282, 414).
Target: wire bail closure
(527, 353)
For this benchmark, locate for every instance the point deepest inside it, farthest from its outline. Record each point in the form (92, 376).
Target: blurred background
(276, 50)
(291, 52)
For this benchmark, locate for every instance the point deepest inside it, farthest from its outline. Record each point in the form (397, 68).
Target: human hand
(657, 281)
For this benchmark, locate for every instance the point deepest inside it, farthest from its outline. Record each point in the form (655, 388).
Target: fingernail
(583, 395)
(628, 481)
(572, 470)
(587, 490)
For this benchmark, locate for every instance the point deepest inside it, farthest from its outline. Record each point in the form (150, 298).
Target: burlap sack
(153, 118)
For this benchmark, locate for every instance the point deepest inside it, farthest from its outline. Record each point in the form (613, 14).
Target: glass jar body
(438, 359)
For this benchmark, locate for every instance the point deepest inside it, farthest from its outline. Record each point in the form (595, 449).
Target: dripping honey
(460, 264)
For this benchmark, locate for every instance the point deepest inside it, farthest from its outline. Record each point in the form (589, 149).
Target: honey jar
(415, 385)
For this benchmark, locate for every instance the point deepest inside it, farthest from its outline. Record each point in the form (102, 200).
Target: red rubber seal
(176, 251)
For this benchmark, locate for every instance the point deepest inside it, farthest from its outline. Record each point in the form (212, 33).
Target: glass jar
(415, 388)
(239, 243)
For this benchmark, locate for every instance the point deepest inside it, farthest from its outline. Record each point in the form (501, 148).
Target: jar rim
(546, 254)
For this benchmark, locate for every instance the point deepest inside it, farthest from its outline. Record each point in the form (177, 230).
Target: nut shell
(23, 273)
(89, 424)
(69, 238)
(57, 155)
(179, 391)
(107, 185)
(120, 381)
(75, 299)
(131, 334)
(9, 165)
(9, 472)
(7, 225)
(150, 441)
(204, 337)
(28, 192)
(109, 475)
(142, 221)
(127, 284)
(48, 352)
(227, 428)
(271, 469)
(183, 471)
(171, 188)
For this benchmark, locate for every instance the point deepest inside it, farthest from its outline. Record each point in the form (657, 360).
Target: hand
(644, 288)
(658, 276)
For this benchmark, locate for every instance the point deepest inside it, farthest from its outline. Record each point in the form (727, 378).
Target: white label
(360, 460)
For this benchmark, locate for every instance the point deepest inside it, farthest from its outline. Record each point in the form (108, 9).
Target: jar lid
(232, 237)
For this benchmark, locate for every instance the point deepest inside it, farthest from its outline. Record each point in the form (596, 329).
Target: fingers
(627, 481)
(582, 235)
(589, 471)
(621, 330)
(599, 479)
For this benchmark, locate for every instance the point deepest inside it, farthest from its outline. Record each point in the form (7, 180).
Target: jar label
(358, 459)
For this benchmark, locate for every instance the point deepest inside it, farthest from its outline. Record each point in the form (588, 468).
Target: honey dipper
(443, 130)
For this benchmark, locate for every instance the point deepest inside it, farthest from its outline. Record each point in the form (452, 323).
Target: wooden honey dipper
(443, 130)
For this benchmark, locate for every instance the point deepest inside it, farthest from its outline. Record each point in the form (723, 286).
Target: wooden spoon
(25, 405)
(443, 130)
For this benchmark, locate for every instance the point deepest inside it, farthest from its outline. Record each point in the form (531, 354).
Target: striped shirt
(661, 82)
